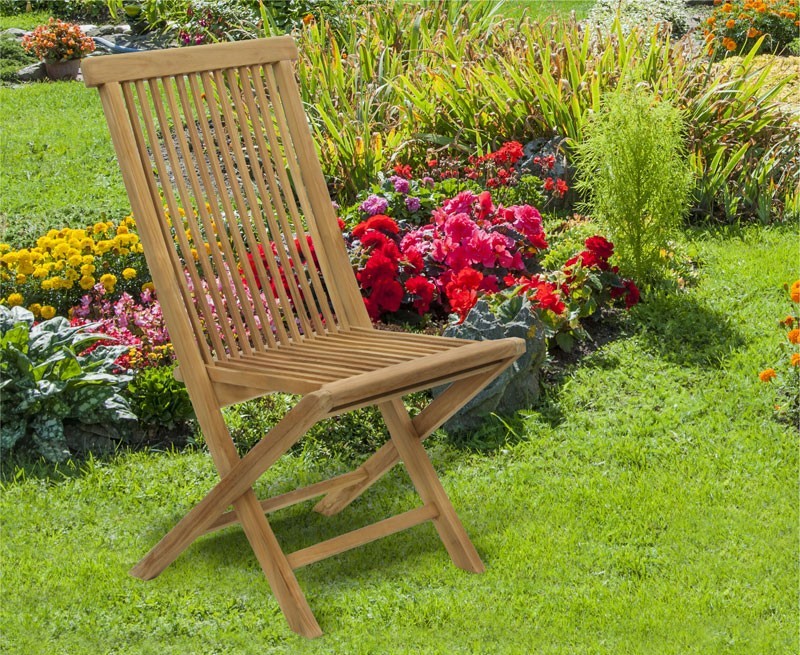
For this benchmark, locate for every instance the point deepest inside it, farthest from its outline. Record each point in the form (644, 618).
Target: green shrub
(159, 400)
(635, 176)
(12, 58)
(47, 377)
(94, 11)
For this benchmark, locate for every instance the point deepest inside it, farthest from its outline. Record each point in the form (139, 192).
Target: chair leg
(428, 486)
(445, 406)
(235, 487)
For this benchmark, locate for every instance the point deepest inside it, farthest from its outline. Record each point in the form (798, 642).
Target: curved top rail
(180, 61)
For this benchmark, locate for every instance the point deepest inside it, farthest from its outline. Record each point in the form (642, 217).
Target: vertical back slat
(166, 236)
(297, 299)
(224, 301)
(207, 190)
(226, 263)
(197, 95)
(290, 155)
(324, 225)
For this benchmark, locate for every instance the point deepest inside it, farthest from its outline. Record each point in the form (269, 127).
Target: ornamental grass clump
(634, 175)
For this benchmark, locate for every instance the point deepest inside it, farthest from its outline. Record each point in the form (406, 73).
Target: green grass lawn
(545, 8)
(24, 20)
(57, 165)
(649, 505)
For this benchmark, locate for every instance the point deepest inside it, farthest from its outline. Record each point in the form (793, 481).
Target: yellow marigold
(10, 258)
(88, 269)
(75, 260)
(14, 299)
(71, 274)
(86, 282)
(48, 311)
(148, 286)
(795, 359)
(47, 285)
(794, 292)
(123, 229)
(730, 23)
(26, 267)
(35, 309)
(129, 273)
(4, 247)
(767, 374)
(108, 281)
(21, 279)
(794, 335)
(61, 249)
(99, 228)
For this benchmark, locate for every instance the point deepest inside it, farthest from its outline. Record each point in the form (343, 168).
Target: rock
(87, 28)
(103, 30)
(122, 29)
(32, 73)
(516, 387)
(15, 32)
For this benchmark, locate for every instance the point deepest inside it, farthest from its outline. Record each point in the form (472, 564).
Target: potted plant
(60, 45)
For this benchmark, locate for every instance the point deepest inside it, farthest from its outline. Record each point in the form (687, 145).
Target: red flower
(561, 187)
(377, 222)
(341, 223)
(378, 267)
(386, 296)
(600, 246)
(424, 290)
(549, 184)
(633, 296)
(485, 206)
(462, 290)
(548, 297)
(403, 170)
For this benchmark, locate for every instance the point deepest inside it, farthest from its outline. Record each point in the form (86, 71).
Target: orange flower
(752, 33)
(788, 321)
(767, 374)
(794, 336)
(794, 292)
(726, 7)
(730, 23)
(731, 45)
(711, 20)
(795, 359)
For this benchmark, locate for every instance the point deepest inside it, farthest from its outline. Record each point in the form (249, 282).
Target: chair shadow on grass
(299, 527)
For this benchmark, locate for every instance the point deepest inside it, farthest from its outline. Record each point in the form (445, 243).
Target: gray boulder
(32, 73)
(15, 32)
(516, 387)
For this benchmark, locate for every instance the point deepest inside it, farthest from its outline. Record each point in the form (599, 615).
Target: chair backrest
(228, 195)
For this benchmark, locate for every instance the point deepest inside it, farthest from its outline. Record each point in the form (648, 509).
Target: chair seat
(361, 364)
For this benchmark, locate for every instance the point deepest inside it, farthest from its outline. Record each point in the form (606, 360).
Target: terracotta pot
(63, 70)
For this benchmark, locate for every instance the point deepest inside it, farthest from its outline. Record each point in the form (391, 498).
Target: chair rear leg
(445, 406)
(428, 486)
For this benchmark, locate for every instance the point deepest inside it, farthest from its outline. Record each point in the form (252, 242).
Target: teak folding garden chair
(259, 296)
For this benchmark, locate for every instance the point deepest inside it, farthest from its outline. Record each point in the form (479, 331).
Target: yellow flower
(21, 279)
(48, 311)
(35, 309)
(88, 269)
(86, 282)
(14, 299)
(61, 249)
(75, 260)
(122, 229)
(40, 272)
(148, 286)
(99, 228)
(9, 258)
(4, 247)
(129, 273)
(108, 281)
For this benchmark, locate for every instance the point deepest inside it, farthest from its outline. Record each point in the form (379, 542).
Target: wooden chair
(230, 200)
